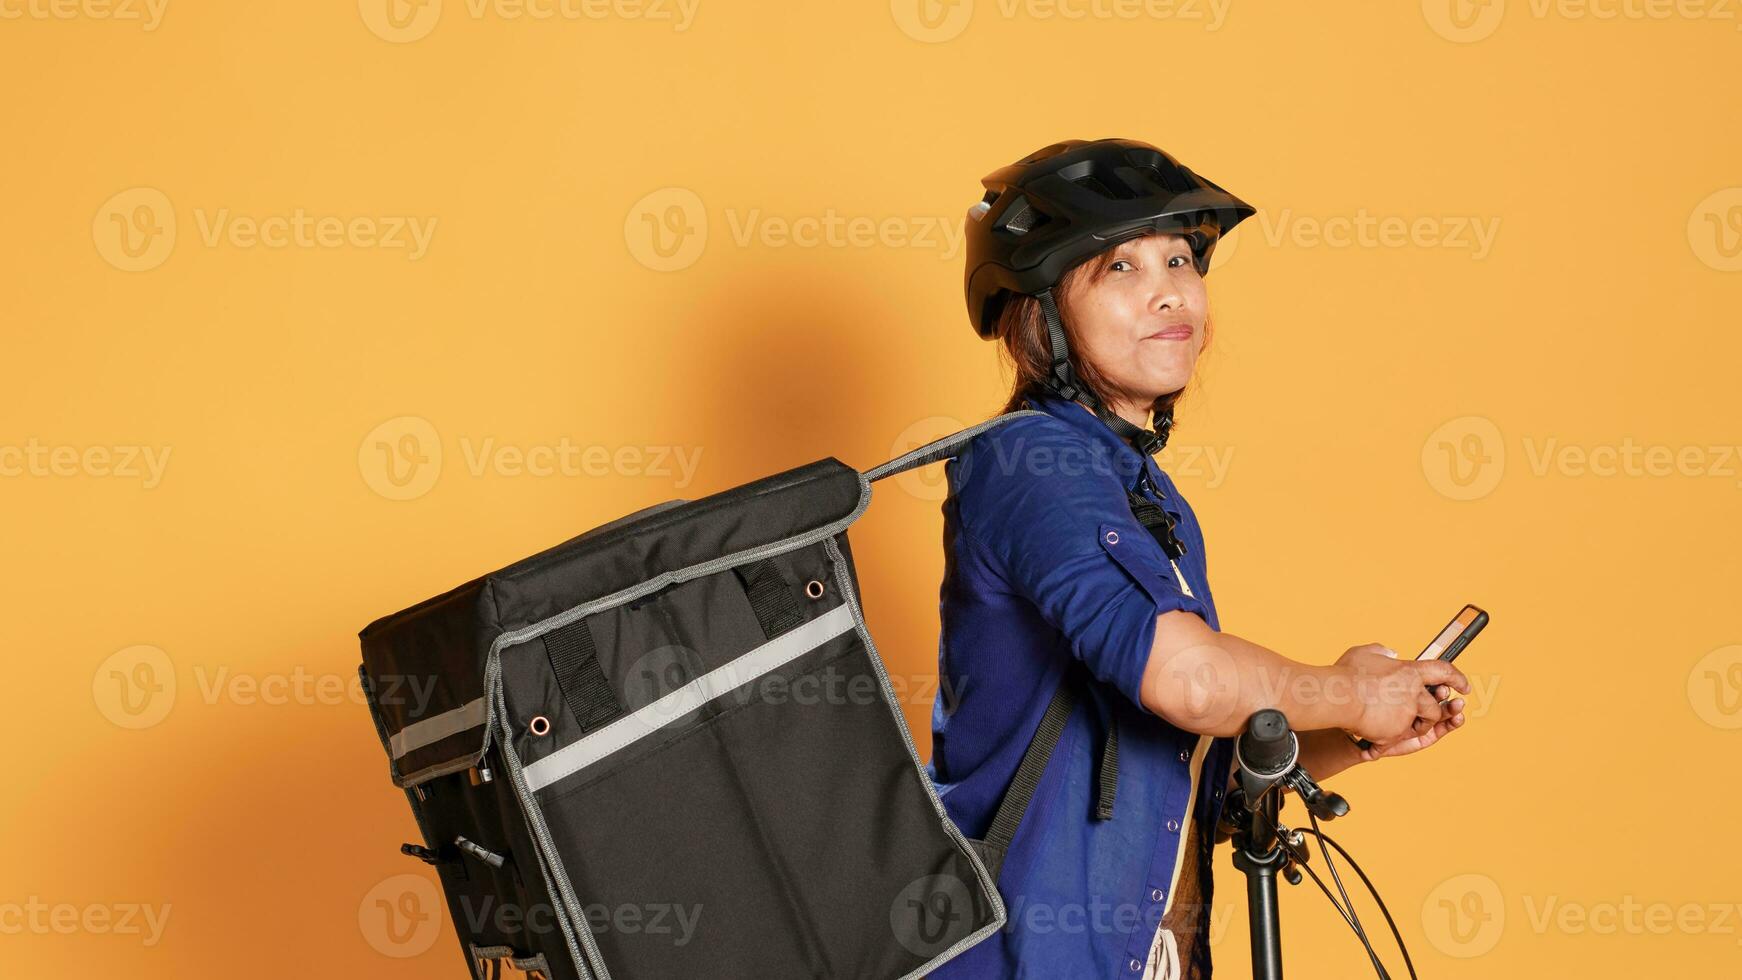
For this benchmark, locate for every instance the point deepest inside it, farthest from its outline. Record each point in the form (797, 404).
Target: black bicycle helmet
(1059, 205)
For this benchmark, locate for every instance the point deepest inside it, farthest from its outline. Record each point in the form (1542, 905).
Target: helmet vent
(1170, 179)
(1020, 217)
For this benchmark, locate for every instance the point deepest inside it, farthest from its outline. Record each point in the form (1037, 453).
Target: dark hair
(1022, 335)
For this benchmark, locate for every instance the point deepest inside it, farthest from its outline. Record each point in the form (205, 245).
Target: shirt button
(1112, 537)
(1184, 756)
(1135, 966)
(1173, 826)
(1158, 894)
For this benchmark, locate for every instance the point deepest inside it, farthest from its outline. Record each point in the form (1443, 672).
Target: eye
(1175, 261)
(1116, 263)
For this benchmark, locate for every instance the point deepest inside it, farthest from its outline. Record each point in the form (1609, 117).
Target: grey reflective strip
(644, 721)
(437, 727)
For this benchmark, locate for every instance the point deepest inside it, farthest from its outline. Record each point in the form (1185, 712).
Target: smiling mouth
(1171, 333)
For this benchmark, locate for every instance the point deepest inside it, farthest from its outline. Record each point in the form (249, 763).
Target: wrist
(1327, 752)
(1334, 703)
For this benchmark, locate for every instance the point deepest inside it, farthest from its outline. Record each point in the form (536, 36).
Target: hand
(1396, 697)
(1415, 743)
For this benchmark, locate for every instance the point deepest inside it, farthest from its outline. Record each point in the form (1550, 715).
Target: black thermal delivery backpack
(611, 739)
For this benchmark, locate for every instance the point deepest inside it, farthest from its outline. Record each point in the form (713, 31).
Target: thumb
(1389, 652)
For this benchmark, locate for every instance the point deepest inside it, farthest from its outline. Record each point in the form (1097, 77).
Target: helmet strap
(1062, 381)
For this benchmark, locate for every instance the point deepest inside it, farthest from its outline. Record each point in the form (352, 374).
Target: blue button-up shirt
(1045, 563)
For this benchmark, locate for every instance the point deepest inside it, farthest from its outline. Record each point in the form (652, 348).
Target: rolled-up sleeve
(1063, 536)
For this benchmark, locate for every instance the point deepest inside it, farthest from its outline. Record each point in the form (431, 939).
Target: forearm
(1211, 682)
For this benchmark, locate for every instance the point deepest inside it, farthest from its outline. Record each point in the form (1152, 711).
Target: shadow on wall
(783, 369)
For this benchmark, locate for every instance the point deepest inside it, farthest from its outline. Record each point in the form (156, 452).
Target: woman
(1074, 568)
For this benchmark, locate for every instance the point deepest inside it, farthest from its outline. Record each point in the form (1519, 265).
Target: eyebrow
(1125, 247)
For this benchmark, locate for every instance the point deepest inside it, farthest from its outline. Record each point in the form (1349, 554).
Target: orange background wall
(1480, 344)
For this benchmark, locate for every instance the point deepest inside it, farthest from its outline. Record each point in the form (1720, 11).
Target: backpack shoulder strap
(1014, 806)
(941, 448)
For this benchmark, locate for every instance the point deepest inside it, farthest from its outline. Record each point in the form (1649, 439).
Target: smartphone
(1450, 642)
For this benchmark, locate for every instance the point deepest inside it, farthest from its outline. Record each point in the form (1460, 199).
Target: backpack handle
(941, 448)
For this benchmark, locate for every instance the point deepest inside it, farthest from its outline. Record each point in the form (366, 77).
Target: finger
(1441, 672)
(1407, 746)
(1429, 707)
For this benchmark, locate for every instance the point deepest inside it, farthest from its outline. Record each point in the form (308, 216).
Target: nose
(1167, 296)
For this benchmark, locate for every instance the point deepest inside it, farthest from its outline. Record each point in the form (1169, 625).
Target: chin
(1165, 379)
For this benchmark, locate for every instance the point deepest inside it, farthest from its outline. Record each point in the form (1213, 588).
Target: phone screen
(1457, 634)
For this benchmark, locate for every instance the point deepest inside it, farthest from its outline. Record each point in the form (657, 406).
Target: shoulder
(1032, 467)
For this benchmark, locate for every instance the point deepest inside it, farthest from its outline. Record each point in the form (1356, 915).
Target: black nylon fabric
(435, 652)
(780, 828)
(789, 824)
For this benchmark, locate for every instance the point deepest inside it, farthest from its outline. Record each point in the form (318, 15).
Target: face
(1139, 312)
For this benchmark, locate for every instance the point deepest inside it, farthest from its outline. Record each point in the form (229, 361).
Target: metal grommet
(814, 589)
(1112, 537)
(540, 726)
